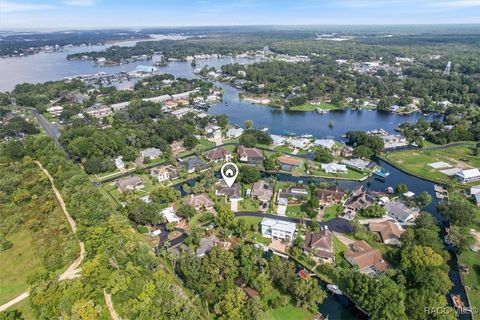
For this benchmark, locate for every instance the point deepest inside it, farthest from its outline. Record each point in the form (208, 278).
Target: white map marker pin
(229, 173)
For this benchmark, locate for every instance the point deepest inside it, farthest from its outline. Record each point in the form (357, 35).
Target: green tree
(248, 124)
(323, 155)
(248, 140)
(190, 142)
(374, 211)
(363, 151)
(186, 211)
(308, 294)
(459, 212)
(248, 174)
(231, 306)
(401, 188)
(423, 199)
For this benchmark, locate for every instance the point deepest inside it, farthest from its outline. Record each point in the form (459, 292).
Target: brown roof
(232, 192)
(364, 255)
(285, 159)
(217, 154)
(199, 200)
(387, 229)
(330, 194)
(320, 243)
(250, 292)
(128, 183)
(262, 190)
(249, 152)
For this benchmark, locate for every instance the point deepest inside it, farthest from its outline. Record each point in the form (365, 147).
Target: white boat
(334, 289)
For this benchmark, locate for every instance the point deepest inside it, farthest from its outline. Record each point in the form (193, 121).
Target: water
(54, 66)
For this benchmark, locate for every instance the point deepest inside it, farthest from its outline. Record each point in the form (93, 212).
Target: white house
(277, 229)
(475, 193)
(169, 215)
(179, 113)
(151, 153)
(470, 175)
(325, 143)
(234, 132)
(213, 132)
(334, 168)
(278, 140)
(55, 110)
(116, 107)
(119, 163)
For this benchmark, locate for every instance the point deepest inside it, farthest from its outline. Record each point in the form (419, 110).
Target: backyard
(308, 107)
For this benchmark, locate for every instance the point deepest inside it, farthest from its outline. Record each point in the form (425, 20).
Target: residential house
(400, 211)
(55, 110)
(359, 199)
(194, 164)
(278, 140)
(180, 113)
(206, 245)
(199, 201)
(183, 95)
(164, 173)
(299, 143)
(177, 147)
(213, 132)
(356, 163)
(151, 153)
(278, 229)
(231, 193)
(129, 184)
(393, 142)
(324, 143)
(250, 155)
(475, 193)
(466, 176)
(98, 111)
(346, 152)
(158, 99)
(233, 133)
(368, 259)
(121, 106)
(119, 163)
(288, 163)
(169, 213)
(320, 244)
(330, 196)
(220, 154)
(262, 190)
(333, 167)
(251, 293)
(389, 231)
(294, 194)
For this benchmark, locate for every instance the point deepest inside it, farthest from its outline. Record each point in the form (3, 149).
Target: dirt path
(73, 270)
(108, 301)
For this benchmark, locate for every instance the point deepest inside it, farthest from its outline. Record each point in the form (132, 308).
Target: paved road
(52, 129)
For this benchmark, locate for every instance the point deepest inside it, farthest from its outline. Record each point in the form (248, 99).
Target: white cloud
(80, 3)
(9, 6)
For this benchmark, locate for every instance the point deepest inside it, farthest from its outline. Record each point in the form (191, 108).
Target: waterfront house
(330, 196)
(250, 155)
(368, 259)
(220, 154)
(359, 199)
(400, 211)
(213, 132)
(199, 201)
(288, 163)
(194, 164)
(294, 194)
(180, 113)
(388, 231)
(231, 193)
(158, 99)
(129, 184)
(164, 173)
(466, 176)
(55, 110)
(234, 133)
(346, 152)
(333, 167)
(262, 190)
(278, 229)
(356, 163)
(99, 111)
(183, 95)
(278, 140)
(320, 244)
(150, 153)
(324, 143)
(299, 143)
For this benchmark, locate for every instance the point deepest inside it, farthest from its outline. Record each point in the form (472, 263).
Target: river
(54, 66)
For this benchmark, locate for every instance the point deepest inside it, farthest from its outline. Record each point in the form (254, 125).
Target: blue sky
(36, 14)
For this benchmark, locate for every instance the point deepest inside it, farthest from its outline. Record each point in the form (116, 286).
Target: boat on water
(334, 289)
(458, 302)
(381, 173)
(322, 111)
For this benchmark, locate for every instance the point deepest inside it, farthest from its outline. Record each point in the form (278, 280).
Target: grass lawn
(340, 248)
(284, 149)
(472, 278)
(249, 204)
(26, 309)
(350, 175)
(312, 107)
(331, 212)
(16, 264)
(288, 312)
(294, 210)
(416, 161)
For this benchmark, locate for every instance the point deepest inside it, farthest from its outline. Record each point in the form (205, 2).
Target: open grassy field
(288, 312)
(350, 175)
(331, 212)
(308, 107)
(472, 278)
(16, 264)
(416, 161)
